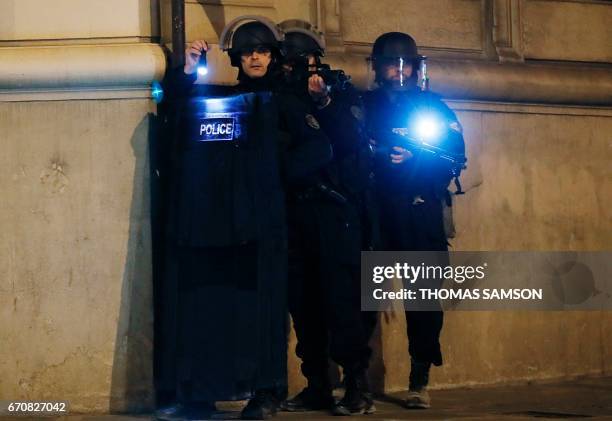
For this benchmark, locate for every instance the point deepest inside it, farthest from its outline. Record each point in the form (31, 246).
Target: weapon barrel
(393, 139)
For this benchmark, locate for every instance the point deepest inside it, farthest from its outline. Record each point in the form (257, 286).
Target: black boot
(418, 397)
(315, 397)
(262, 406)
(357, 399)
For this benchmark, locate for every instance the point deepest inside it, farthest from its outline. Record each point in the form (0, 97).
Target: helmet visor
(255, 48)
(398, 72)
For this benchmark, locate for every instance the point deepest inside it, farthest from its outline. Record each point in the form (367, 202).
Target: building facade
(531, 81)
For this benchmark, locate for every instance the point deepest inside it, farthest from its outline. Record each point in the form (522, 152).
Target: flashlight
(427, 128)
(426, 134)
(202, 64)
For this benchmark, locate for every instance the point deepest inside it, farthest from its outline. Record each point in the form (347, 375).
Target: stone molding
(508, 30)
(126, 70)
(120, 71)
(79, 69)
(541, 83)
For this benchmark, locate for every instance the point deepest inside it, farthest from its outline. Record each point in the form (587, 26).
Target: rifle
(332, 78)
(399, 137)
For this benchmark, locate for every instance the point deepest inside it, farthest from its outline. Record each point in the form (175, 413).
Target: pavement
(577, 399)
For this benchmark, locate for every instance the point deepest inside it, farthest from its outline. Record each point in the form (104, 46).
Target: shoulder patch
(456, 126)
(357, 112)
(402, 131)
(312, 122)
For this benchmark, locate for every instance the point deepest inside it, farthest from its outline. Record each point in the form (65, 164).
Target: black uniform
(227, 248)
(328, 228)
(410, 195)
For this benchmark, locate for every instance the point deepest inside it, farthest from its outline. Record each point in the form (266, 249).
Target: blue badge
(216, 129)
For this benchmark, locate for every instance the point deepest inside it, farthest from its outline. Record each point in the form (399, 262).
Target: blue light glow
(217, 105)
(157, 92)
(202, 64)
(202, 70)
(428, 128)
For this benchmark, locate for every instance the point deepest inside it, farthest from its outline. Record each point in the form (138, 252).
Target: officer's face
(396, 73)
(255, 62)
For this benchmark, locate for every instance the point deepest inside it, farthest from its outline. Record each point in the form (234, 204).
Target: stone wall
(75, 249)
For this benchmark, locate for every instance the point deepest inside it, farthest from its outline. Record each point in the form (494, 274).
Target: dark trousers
(324, 288)
(409, 226)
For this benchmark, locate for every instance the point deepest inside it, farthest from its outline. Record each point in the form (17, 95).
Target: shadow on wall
(131, 388)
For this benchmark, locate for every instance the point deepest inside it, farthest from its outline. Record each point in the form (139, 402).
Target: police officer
(410, 185)
(326, 235)
(228, 223)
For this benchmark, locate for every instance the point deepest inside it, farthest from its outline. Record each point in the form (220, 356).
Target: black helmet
(238, 37)
(302, 39)
(398, 48)
(393, 45)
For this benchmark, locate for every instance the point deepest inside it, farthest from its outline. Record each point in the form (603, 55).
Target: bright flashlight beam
(203, 64)
(428, 128)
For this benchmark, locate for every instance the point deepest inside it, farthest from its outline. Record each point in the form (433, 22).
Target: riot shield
(221, 143)
(229, 252)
